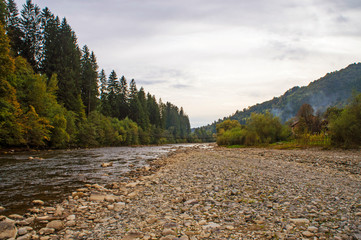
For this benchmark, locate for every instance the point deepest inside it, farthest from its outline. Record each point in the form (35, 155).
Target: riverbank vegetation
(52, 93)
(337, 127)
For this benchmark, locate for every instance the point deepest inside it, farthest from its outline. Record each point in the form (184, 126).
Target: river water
(57, 173)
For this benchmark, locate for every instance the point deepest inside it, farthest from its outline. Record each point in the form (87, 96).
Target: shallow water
(62, 171)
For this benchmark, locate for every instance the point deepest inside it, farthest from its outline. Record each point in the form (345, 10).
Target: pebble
(219, 193)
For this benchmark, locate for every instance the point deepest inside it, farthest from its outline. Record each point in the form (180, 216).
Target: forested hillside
(53, 94)
(334, 89)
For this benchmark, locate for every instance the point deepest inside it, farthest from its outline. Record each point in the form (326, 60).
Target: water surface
(62, 171)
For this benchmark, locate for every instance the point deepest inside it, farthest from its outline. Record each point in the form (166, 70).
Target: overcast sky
(214, 57)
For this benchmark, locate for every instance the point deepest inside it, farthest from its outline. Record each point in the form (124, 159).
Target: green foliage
(345, 128)
(334, 89)
(260, 129)
(49, 94)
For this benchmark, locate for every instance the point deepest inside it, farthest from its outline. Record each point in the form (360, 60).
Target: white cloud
(215, 57)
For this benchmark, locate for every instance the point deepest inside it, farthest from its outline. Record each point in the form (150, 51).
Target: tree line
(336, 127)
(52, 93)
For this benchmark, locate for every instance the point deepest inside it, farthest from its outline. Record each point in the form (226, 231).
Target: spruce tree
(113, 90)
(30, 25)
(89, 79)
(122, 99)
(13, 28)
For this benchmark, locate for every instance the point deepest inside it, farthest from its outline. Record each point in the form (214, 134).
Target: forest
(334, 89)
(54, 95)
(336, 127)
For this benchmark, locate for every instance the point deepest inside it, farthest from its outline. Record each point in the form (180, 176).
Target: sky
(213, 57)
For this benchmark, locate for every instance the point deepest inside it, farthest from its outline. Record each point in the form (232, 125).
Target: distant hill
(334, 89)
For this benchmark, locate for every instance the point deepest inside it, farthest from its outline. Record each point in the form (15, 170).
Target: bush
(345, 129)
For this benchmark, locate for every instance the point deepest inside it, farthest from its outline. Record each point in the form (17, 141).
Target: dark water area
(52, 175)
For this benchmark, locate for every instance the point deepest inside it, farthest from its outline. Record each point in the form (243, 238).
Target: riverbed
(52, 175)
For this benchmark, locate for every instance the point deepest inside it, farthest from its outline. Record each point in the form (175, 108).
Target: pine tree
(30, 25)
(89, 79)
(122, 99)
(113, 90)
(13, 28)
(62, 56)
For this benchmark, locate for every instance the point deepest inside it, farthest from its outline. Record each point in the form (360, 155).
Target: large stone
(97, 197)
(25, 237)
(22, 231)
(119, 206)
(56, 224)
(300, 221)
(7, 228)
(38, 202)
(16, 217)
(71, 223)
(45, 231)
(211, 225)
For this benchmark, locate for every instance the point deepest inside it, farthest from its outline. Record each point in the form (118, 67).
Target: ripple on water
(62, 171)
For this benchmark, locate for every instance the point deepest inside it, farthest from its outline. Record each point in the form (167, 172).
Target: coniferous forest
(53, 93)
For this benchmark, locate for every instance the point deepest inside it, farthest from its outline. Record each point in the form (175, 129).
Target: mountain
(334, 89)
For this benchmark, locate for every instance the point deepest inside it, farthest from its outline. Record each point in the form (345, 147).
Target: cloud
(213, 57)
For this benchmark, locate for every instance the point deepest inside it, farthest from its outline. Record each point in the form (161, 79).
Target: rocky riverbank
(216, 193)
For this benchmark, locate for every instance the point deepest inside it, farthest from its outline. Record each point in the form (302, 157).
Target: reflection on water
(62, 171)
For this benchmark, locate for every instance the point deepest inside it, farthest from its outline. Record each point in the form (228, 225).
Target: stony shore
(212, 193)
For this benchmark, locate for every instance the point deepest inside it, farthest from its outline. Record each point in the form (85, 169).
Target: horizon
(206, 56)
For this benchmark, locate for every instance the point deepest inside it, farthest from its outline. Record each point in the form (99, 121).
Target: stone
(22, 231)
(202, 222)
(71, 217)
(16, 217)
(25, 237)
(71, 223)
(110, 198)
(211, 225)
(132, 236)
(38, 202)
(300, 221)
(119, 206)
(191, 202)
(59, 211)
(132, 194)
(312, 229)
(26, 222)
(56, 224)
(46, 231)
(7, 228)
(97, 197)
(168, 232)
(307, 234)
(169, 237)
(109, 164)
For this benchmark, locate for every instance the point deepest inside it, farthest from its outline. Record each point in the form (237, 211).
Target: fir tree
(30, 25)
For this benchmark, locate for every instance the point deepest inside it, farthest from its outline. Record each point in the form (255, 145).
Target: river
(52, 175)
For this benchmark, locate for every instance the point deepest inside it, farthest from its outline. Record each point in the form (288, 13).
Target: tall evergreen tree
(113, 90)
(89, 79)
(30, 25)
(122, 99)
(13, 28)
(153, 111)
(62, 56)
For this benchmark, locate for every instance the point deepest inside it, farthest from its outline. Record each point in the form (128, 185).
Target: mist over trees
(334, 89)
(53, 94)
